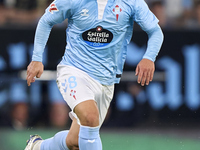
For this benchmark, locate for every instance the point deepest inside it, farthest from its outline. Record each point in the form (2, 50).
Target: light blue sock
(89, 138)
(58, 142)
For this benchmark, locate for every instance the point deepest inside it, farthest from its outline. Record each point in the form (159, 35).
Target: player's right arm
(34, 69)
(57, 12)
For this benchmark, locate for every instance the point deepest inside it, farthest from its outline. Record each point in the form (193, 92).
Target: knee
(88, 113)
(90, 119)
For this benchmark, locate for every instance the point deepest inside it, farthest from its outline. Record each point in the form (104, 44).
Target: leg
(79, 92)
(63, 140)
(89, 118)
(72, 137)
(58, 142)
(84, 137)
(88, 115)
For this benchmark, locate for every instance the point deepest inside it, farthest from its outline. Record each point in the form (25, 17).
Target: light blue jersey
(98, 46)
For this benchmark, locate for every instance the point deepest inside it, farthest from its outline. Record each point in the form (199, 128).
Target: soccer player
(97, 36)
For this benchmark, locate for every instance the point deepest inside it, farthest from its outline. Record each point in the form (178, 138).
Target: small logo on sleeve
(53, 8)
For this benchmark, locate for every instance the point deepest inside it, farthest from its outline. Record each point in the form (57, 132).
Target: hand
(145, 70)
(35, 68)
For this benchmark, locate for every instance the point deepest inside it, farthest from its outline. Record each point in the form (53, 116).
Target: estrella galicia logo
(97, 37)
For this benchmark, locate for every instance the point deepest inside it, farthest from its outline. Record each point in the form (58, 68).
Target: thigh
(74, 86)
(103, 101)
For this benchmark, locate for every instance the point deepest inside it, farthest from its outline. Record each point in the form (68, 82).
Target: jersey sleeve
(155, 40)
(149, 23)
(143, 16)
(57, 12)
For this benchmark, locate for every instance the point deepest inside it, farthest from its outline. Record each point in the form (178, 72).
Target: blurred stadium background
(164, 115)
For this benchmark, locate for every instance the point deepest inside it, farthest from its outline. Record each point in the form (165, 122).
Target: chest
(110, 15)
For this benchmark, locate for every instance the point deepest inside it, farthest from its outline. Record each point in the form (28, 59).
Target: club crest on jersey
(53, 8)
(117, 11)
(97, 37)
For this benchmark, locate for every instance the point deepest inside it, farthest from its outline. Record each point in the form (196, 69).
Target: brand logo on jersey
(97, 37)
(53, 8)
(84, 12)
(117, 11)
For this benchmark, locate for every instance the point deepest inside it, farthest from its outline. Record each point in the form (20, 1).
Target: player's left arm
(149, 23)
(146, 67)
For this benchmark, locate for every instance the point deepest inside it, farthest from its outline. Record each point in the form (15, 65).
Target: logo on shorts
(53, 8)
(65, 85)
(97, 37)
(73, 92)
(70, 83)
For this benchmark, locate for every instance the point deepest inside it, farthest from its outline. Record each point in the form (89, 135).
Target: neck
(101, 7)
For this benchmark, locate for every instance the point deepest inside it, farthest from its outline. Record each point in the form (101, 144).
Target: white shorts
(77, 86)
